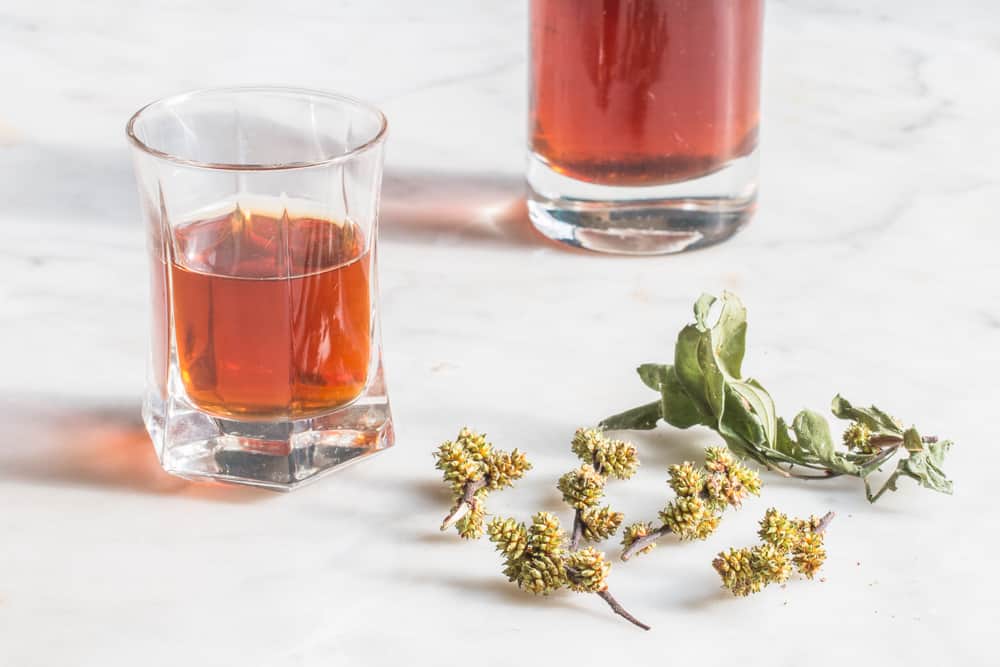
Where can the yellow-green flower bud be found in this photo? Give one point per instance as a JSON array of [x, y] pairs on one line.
[[509, 536], [776, 529], [503, 468], [809, 554], [706, 526], [685, 479], [858, 436], [586, 442], [470, 526], [600, 523], [541, 574], [770, 564], [636, 531], [474, 443], [582, 488], [734, 567], [617, 458], [588, 570], [684, 516], [718, 459], [545, 536], [457, 465]]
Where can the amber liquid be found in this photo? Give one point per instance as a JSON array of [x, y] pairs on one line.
[[644, 92], [271, 315]]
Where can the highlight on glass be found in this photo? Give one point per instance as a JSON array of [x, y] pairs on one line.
[[261, 209]]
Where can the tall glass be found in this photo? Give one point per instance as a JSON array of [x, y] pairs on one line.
[[643, 121], [261, 206]]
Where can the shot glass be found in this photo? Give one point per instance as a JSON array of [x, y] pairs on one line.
[[261, 211], [643, 121]]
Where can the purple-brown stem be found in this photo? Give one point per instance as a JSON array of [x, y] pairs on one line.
[[577, 535], [616, 607], [620, 610], [463, 504], [645, 541], [824, 522]]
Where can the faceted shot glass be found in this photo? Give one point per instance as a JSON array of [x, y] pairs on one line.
[[261, 209]]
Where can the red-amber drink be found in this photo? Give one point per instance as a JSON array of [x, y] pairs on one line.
[[261, 210], [641, 94], [272, 315]]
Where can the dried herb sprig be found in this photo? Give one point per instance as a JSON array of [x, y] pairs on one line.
[[537, 559], [472, 468], [583, 488], [705, 386], [785, 543], [540, 558], [703, 493]]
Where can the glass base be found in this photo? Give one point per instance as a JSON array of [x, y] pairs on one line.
[[648, 220], [279, 455]]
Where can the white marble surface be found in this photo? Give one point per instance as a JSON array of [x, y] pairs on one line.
[[872, 269]]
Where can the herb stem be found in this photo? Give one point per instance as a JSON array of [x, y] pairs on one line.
[[574, 540], [789, 474], [824, 522], [645, 541], [620, 610], [464, 504], [577, 534]]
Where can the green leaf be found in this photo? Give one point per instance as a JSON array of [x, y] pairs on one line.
[[653, 375], [729, 335], [715, 382], [762, 405], [739, 419], [696, 370], [642, 418], [912, 441], [813, 434], [937, 450], [875, 419], [784, 443], [920, 467], [676, 406], [702, 308]]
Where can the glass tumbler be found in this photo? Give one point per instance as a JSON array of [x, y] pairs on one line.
[[643, 121], [261, 210]]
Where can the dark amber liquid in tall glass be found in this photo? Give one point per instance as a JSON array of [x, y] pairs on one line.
[[644, 92], [271, 314]]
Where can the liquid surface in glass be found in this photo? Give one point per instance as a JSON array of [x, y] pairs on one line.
[[271, 314]]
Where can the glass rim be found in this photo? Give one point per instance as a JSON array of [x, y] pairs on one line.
[[383, 127]]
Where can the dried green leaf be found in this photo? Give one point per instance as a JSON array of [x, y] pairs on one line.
[[676, 407], [875, 419], [813, 434], [652, 375], [729, 335], [642, 418], [697, 371], [740, 420]]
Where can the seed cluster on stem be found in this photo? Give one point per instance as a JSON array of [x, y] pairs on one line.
[[702, 494], [472, 468], [785, 543]]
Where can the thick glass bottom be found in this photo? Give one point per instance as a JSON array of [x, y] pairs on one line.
[[648, 220], [279, 455]]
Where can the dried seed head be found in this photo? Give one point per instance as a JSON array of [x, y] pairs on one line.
[[685, 479], [582, 488], [776, 529], [588, 570], [600, 523], [636, 531]]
